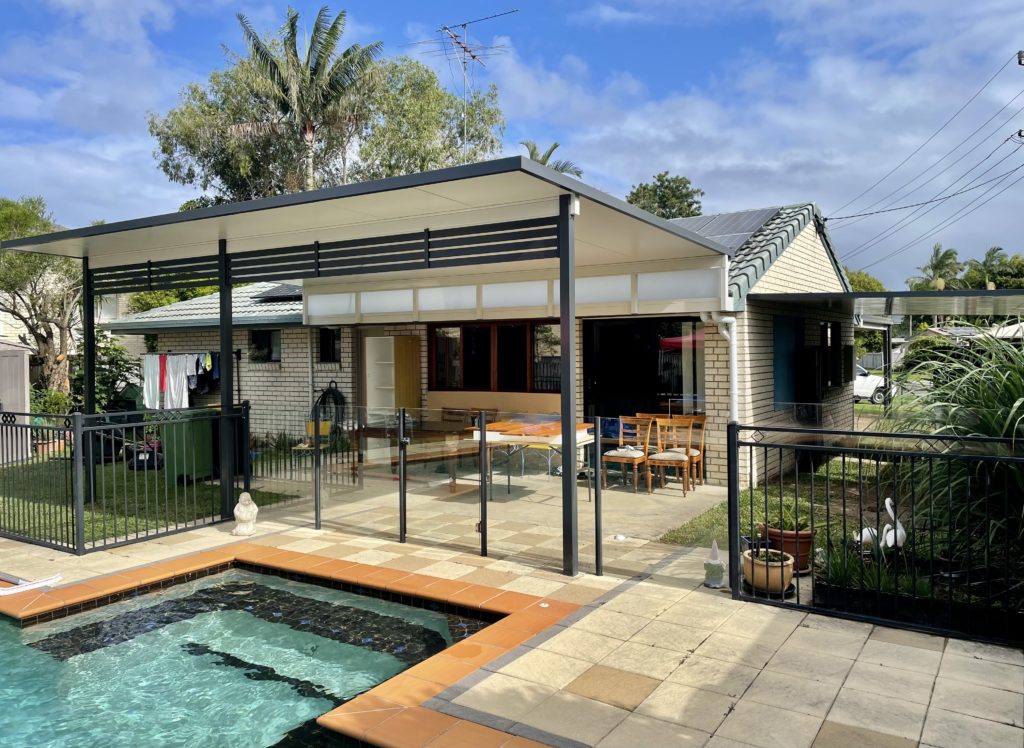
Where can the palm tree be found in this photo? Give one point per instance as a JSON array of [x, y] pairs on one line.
[[561, 165], [312, 91], [989, 266], [939, 272]]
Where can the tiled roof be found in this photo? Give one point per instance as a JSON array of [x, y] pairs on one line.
[[759, 237], [250, 307]]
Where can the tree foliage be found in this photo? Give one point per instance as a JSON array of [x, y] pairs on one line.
[[42, 292], [667, 196], [863, 282], [561, 165], [942, 270], [115, 369], [416, 125]]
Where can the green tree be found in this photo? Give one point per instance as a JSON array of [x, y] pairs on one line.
[[980, 273], [115, 369], [941, 271], [197, 144], [416, 125], [308, 92], [863, 282], [42, 292], [667, 197], [561, 165]]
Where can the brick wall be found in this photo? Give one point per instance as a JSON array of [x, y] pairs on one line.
[[803, 267]]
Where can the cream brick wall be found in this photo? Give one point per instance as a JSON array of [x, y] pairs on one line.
[[803, 267]]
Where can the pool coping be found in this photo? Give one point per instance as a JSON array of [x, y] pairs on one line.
[[392, 714]]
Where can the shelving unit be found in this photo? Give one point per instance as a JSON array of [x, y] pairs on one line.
[[392, 377]]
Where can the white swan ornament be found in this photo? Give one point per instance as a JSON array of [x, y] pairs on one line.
[[892, 537]]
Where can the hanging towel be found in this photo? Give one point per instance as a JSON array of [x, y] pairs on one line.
[[177, 381], [209, 362], [215, 366], [151, 381], [163, 372]]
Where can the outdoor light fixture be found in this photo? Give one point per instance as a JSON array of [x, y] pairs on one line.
[[1020, 57]]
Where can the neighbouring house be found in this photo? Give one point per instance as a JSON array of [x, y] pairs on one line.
[[488, 338]]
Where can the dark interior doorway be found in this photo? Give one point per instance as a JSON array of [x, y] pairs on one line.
[[643, 365]]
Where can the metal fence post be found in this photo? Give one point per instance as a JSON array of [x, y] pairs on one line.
[[403, 443], [482, 423], [316, 469], [246, 451], [78, 482], [732, 451], [598, 531]]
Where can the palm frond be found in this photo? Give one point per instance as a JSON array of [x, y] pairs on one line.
[[565, 166], [548, 153], [262, 57], [316, 37], [326, 46], [532, 151]]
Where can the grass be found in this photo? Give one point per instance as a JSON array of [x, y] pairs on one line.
[[713, 524], [36, 500]]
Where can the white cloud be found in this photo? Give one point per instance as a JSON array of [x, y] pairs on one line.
[[603, 14], [861, 86]]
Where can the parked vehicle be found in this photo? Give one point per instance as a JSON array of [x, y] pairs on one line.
[[868, 386]]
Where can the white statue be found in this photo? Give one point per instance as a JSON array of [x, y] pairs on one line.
[[245, 515]]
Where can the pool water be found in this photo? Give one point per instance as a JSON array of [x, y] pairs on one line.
[[235, 659]]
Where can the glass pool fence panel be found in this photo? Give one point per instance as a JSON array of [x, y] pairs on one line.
[[281, 452], [36, 479], [920, 531], [443, 479]]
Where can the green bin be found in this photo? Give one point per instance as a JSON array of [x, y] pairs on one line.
[[186, 440]]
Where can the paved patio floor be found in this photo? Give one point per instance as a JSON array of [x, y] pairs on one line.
[[652, 658]]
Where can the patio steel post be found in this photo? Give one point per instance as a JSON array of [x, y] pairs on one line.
[[88, 340], [403, 443], [317, 469], [78, 482], [887, 366], [732, 454], [484, 469], [227, 370], [598, 530], [567, 318]]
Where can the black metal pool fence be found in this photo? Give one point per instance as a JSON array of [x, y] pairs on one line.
[[916, 531], [83, 483]]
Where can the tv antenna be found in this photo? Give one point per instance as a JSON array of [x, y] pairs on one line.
[[467, 56]]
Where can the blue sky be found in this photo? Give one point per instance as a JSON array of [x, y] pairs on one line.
[[759, 103]]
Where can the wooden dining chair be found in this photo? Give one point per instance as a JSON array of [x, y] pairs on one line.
[[634, 442], [696, 452], [672, 450]]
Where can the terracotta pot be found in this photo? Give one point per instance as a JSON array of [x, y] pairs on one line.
[[797, 543], [767, 577]]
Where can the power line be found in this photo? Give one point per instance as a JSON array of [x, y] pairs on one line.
[[946, 155], [909, 220], [955, 218], [931, 137], [926, 202]]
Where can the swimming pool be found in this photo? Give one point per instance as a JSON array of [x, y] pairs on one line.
[[234, 659]]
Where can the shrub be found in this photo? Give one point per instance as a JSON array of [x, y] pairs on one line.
[[50, 402]]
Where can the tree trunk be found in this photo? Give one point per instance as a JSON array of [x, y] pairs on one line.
[[310, 147]]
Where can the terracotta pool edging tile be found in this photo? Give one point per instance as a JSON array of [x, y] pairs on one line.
[[366, 716]]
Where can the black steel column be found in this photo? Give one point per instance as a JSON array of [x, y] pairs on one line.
[[598, 524], [887, 366], [227, 370], [88, 340], [567, 317], [732, 455]]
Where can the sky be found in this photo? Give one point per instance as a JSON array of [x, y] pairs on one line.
[[757, 103]]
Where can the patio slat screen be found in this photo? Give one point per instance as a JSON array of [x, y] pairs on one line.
[[510, 241]]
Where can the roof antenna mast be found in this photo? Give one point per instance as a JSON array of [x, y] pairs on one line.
[[466, 54]]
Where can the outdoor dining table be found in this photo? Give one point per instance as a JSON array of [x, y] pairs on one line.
[[513, 436]]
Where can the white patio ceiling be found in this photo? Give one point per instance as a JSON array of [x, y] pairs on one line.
[[608, 230]]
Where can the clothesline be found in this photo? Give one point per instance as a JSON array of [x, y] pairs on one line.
[[176, 375]]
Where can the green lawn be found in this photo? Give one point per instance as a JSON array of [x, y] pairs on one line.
[[713, 524], [36, 500]]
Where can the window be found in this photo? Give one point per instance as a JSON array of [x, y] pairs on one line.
[[330, 345], [496, 357], [264, 345], [787, 341]]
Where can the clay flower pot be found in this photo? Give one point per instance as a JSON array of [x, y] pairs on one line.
[[797, 543], [768, 574]]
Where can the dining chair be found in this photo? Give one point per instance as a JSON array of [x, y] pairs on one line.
[[672, 450], [634, 442]]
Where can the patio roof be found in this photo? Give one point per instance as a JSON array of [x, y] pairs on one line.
[[965, 303], [608, 230]]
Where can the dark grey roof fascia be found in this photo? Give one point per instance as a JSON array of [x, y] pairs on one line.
[[420, 179], [168, 325]]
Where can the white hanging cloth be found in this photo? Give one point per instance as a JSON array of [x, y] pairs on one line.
[[176, 395], [151, 380]]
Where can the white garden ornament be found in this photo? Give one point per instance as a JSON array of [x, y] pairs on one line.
[[245, 515], [892, 536]]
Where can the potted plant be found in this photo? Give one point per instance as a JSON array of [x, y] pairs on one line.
[[768, 571], [794, 535]]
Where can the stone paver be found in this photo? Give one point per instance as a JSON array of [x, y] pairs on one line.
[[882, 712]]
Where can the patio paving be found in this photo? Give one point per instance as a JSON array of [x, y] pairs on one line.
[[652, 658]]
